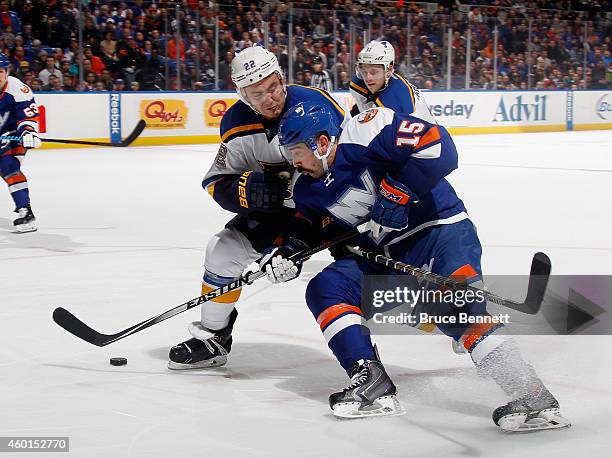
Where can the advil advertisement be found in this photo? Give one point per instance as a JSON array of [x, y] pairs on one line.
[[214, 109], [164, 113]]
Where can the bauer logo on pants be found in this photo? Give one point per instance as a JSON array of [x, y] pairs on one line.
[[164, 114], [214, 109]]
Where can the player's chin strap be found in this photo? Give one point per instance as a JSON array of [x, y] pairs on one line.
[[323, 158]]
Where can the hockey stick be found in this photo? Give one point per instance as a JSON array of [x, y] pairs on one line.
[[538, 280], [75, 326], [127, 141]]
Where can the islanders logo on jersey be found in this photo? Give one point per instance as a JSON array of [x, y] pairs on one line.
[[367, 115]]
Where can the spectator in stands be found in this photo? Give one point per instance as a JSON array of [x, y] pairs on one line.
[[96, 63], [50, 69], [108, 46], [55, 84], [9, 18], [344, 81], [36, 85], [118, 85]]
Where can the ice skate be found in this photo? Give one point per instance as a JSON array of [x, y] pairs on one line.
[[371, 393], [458, 347], [26, 222], [207, 349], [534, 412]]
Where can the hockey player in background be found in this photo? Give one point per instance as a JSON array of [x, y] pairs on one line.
[[18, 118], [377, 85], [249, 177], [389, 169]]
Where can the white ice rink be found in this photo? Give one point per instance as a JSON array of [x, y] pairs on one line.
[[122, 236]]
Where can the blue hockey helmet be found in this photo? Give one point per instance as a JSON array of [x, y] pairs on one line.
[[4, 61], [304, 123]]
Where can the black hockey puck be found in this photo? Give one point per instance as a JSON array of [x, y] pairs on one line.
[[118, 361]]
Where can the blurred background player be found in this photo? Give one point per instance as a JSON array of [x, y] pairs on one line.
[[320, 77], [18, 118], [396, 164], [249, 177], [377, 85]]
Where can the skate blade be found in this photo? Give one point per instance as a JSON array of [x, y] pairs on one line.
[[23, 228], [382, 406], [546, 419], [215, 362]]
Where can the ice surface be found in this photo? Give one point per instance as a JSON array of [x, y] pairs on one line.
[[122, 236]]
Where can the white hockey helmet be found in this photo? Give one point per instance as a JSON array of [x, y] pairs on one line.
[[377, 53], [250, 66]]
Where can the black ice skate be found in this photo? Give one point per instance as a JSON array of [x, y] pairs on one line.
[[202, 352], [534, 412], [26, 222], [371, 393]]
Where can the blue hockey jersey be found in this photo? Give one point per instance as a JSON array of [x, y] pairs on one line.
[[18, 111], [375, 143], [399, 95]]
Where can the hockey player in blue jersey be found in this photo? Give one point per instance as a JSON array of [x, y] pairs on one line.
[[377, 85], [245, 179], [389, 169], [18, 118]]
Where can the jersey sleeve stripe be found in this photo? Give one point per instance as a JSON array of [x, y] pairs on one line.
[[379, 102], [241, 130], [432, 136], [409, 86], [359, 89]]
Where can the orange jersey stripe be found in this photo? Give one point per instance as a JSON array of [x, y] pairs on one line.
[[334, 311], [433, 135], [17, 178]]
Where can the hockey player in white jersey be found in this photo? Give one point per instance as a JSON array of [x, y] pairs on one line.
[[249, 177], [18, 118], [377, 85]]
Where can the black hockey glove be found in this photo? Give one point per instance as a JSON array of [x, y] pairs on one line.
[[276, 263], [261, 191]]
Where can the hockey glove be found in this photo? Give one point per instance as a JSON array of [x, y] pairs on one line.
[[391, 210], [261, 191], [277, 265], [30, 139], [3, 138]]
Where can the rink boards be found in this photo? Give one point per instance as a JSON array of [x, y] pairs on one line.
[[194, 117]]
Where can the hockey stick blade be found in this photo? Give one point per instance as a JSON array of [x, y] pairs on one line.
[[127, 141], [76, 327], [538, 280]]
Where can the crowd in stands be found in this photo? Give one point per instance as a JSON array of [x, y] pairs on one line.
[[134, 45]]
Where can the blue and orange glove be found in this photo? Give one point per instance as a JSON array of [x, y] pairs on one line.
[[391, 210]]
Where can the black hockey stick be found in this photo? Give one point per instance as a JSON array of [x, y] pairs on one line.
[[127, 141], [538, 280], [75, 326]]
